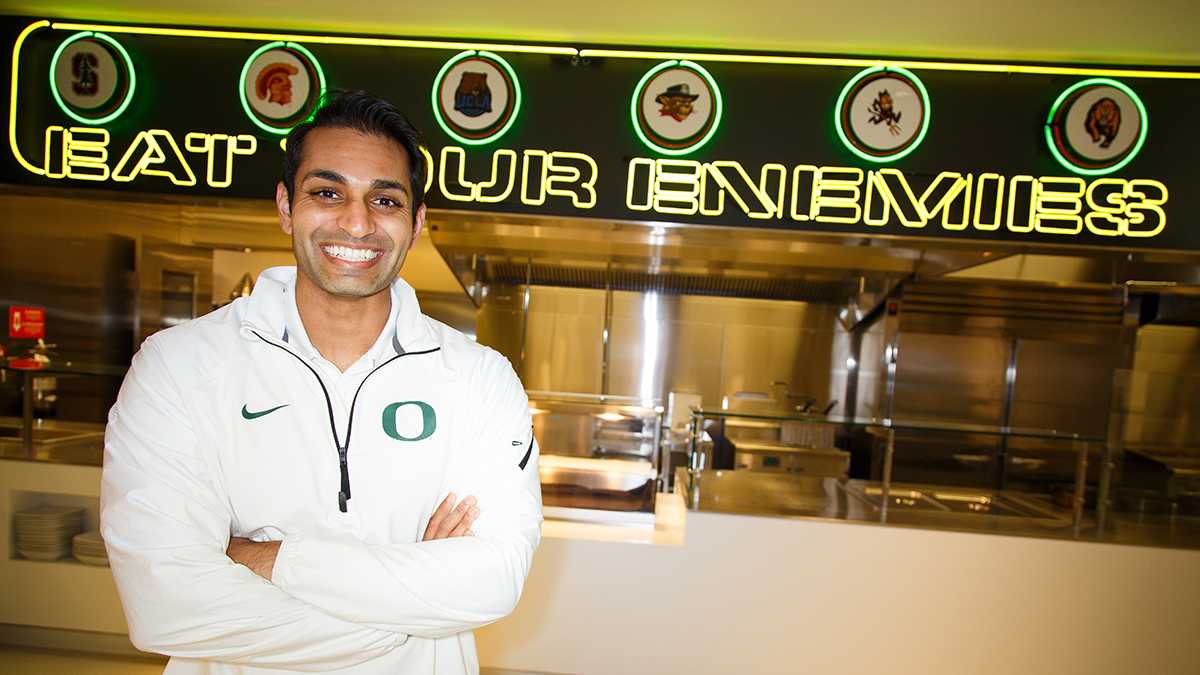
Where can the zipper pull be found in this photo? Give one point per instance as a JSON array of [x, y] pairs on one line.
[[344, 492]]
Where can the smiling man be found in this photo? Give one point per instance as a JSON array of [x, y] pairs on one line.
[[281, 477]]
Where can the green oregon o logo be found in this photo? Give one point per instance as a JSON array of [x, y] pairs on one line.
[[428, 420]]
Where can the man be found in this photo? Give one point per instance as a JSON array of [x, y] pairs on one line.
[[280, 476]]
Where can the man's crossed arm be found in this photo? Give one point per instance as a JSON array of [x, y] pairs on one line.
[[449, 520]]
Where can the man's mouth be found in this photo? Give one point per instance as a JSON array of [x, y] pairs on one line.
[[351, 254]]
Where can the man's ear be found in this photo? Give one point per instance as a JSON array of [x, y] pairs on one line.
[[284, 206], [418, 225]]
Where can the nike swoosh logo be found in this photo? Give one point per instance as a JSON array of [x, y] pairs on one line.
[[255, 415]]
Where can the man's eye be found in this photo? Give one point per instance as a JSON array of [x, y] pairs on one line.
[[324, 193], [388, 202]]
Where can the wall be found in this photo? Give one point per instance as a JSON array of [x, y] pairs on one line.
[[1163, 411]]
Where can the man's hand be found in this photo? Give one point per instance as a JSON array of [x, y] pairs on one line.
[[451, 521], [258, 556]]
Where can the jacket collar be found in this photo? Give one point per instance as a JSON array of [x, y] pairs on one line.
[[274, 298]]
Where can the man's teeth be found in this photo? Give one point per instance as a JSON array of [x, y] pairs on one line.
[[351, 254]]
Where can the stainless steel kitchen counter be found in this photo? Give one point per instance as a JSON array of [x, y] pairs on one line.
[[931, 507], [58, 442]]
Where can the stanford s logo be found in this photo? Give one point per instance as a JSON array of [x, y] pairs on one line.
[[428, 420]]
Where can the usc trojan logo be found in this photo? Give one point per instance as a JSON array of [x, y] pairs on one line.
[[281, 85]]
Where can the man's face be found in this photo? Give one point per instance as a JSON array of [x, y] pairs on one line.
[[351, 217]]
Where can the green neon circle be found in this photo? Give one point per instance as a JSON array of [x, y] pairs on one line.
[[436, 102], [128, 68], [837, 113], [1083, 171], [246, 69], [635, 101]]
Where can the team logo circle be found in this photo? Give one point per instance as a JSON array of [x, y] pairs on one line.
[[676, 107], [92, 78], [1096, 126], [476, 97], [281, 85], [882, 113]]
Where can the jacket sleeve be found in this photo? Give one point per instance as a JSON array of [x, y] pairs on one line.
[[167, 529], [439, 588]]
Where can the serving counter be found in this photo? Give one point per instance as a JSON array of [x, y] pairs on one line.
[[708, 591]]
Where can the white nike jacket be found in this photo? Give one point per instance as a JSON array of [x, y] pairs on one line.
[[224, 427]]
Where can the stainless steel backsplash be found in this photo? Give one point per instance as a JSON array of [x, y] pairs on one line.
[[748, 354]]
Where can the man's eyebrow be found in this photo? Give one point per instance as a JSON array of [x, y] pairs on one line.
[[325, 174], [385, 184]]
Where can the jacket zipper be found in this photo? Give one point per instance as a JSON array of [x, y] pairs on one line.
[[343, 449]]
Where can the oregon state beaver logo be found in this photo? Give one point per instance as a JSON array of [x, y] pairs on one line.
[[476, 97], [1096, 126], [281, 86]]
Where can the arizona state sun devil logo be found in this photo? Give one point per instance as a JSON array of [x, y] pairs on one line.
[[1103, 121], [473, 97], [883, 110]]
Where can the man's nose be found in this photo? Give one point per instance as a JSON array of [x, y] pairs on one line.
[[356, 220]]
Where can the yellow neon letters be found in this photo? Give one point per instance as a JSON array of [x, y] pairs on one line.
[[952, 201], [149, 154], [227, 146], [956, 202], [82, 153]]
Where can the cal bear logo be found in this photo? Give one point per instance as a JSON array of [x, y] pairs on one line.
[[1103, 121]]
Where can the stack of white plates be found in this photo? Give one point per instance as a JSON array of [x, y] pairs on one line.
[[89, 548], [45, 532]]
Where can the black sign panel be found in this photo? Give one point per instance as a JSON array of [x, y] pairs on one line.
[[974, 152]]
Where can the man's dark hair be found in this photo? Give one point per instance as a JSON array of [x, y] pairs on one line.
[[366, 114]]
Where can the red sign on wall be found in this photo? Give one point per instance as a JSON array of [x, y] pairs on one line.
[[27, 322]]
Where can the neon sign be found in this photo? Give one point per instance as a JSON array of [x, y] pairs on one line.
[[569, 175], [466, 107], [1096, 126], [81, 153], [952, 201], [120, 77]]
